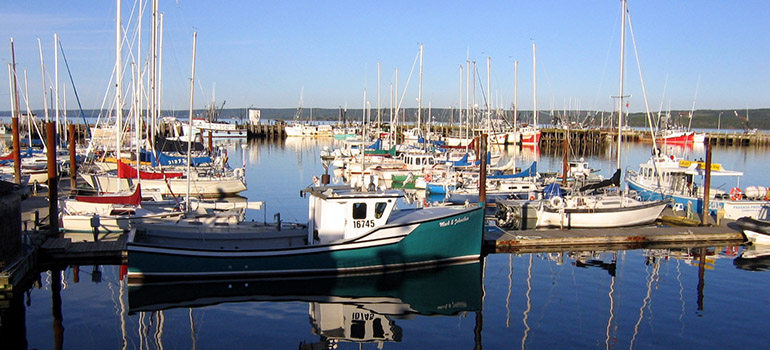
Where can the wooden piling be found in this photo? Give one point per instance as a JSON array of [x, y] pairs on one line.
[[16, 150], [706, 186], [73, 162], [483, 169], [53, 180]]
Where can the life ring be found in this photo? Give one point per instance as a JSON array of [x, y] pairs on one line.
[[736, 194], [556, 202], [238, 172], [767, 194], [427, 177], [531, 197]]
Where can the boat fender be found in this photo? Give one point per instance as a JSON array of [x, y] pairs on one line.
[[736, 194], [238, 172], [556, 202], [531, 197]]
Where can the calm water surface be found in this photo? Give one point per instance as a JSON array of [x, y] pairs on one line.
[[673, 297]]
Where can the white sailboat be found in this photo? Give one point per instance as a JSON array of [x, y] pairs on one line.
[[606, 209]]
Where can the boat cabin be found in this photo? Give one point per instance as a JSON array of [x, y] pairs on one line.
[[340, 213], [418, 161]]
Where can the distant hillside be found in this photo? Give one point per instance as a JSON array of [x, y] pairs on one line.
[[702, 119]]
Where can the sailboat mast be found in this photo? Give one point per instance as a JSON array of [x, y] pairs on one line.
[[534, 85], [622, 63], [515, 93], [489, 94], [379, 121], [56, 76], [419, 95], [118, 85], [190, 121], [42, 76]]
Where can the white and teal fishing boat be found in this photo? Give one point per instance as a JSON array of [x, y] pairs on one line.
[[348, 231]]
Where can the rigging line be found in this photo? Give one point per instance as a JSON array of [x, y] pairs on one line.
[[72, 81], [406, 86]]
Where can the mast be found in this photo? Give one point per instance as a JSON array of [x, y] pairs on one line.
[[160, 81], [56, 76], [363, 138], [42, 77], [515, 93], [489, 96], [118, 85], [152, 105], [534, 85], [419, 95], [378, 97], [460, 107], [620, 95], [190, 120]]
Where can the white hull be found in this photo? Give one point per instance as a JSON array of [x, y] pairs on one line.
[[208, 187], [757, 237], [631, 215]]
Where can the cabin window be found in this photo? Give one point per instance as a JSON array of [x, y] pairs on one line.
[[379, 209], [359, 210]]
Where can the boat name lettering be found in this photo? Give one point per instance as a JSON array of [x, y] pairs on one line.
[[366, 316], [363, 223], [454, 221]]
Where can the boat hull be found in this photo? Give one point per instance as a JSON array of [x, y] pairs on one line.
[[755, 231], [601, 218], [176, 186], [733, 209], [449, 238]]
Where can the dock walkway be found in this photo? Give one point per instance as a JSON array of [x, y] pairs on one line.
[[502, 241]]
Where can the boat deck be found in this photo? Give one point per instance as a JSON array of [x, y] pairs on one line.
[[226, 239]]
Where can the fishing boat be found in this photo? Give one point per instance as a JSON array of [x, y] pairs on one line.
[[666, 176], [348, 230], [755, 231]]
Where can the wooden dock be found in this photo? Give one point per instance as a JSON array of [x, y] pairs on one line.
[[65, 251], [507, 241]]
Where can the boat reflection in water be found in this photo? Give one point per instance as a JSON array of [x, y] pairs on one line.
[[355, 308], [754, 258]]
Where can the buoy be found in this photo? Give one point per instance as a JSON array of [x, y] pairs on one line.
[[736, 194], [427, 177], [556, 202]]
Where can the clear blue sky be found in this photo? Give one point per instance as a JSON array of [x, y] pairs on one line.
[[264, 53]]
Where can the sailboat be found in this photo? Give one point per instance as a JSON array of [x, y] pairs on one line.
[[585, 208]]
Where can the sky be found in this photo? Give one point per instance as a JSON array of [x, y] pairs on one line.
[[712, 54]]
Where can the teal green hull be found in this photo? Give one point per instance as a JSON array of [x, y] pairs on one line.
[[451, 238]]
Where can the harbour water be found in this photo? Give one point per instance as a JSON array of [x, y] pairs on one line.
[[677, 297]]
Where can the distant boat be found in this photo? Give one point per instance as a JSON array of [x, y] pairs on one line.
[[347, 231]]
